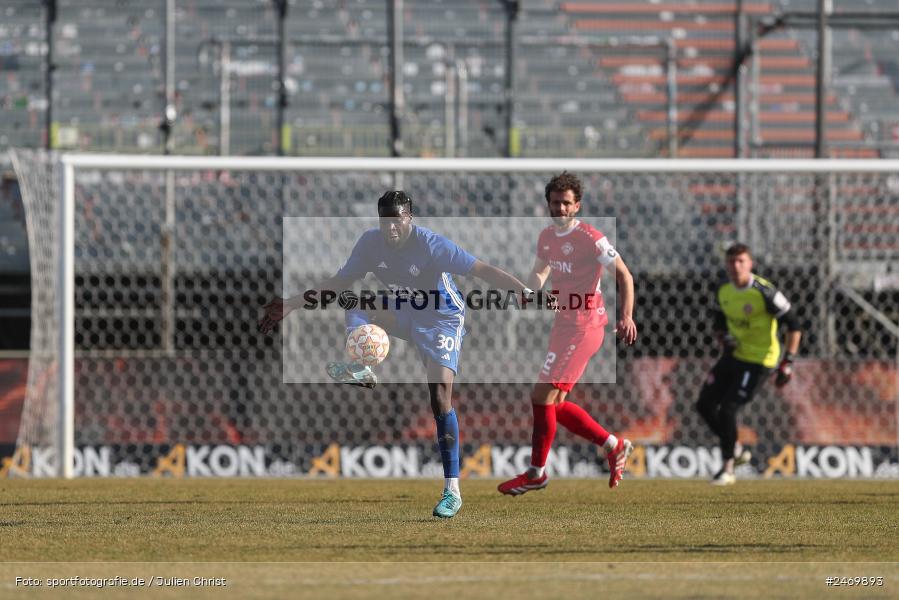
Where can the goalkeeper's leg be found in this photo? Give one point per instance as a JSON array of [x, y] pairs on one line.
[[744, 381], [712, 395]]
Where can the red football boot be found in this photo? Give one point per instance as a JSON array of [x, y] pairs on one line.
[[618, 461], [522, 483]]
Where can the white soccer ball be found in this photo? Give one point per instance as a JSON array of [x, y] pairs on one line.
[[368, 345]]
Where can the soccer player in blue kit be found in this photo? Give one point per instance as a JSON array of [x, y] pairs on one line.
[[409, 259]]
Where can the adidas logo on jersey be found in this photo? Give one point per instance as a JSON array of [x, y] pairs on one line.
[[383, 265], [445, 356]]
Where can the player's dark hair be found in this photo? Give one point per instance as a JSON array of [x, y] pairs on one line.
[[562, 183], [737, 249], [392, 203]]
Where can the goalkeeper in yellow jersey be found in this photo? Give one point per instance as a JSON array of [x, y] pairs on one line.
[[748, 314]]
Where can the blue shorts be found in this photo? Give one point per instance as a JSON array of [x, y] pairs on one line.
[[439, 340]]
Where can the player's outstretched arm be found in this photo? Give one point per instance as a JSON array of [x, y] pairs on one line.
[[278, 308], [500, 280], [496, 277], [626, 329]]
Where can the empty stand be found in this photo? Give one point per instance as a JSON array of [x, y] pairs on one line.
[[595, 85]]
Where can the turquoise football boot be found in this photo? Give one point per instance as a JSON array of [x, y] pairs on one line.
[[352, 374], [448, 506]]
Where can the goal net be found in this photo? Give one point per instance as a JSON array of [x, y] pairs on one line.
[[146, 358]]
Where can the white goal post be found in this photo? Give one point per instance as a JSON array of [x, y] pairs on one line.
[[752, 219]]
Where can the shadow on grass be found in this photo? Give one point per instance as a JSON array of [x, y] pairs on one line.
[[528, 549], [279, 502], [707, 548]]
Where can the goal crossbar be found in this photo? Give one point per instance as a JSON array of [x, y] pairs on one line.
[[479, 165]]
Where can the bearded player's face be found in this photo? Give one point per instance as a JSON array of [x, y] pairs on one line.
[[563, 207]]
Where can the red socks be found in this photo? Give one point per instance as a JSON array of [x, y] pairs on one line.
[[544, 433], [576, 420]]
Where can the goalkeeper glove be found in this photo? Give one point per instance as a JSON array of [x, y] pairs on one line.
[[784, 371]]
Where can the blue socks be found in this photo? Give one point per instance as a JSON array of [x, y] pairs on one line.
[[448, 440]]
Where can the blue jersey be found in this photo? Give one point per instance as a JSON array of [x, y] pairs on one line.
[[425, 263]]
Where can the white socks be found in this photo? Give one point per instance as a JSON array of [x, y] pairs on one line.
[[608, 445], [536, 472], [452, 484]]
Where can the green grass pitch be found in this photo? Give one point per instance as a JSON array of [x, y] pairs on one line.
[[377, 538]]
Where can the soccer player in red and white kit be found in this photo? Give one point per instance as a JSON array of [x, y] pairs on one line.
[[574, 255]]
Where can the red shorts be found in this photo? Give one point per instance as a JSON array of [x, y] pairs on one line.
[[570, 348]]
